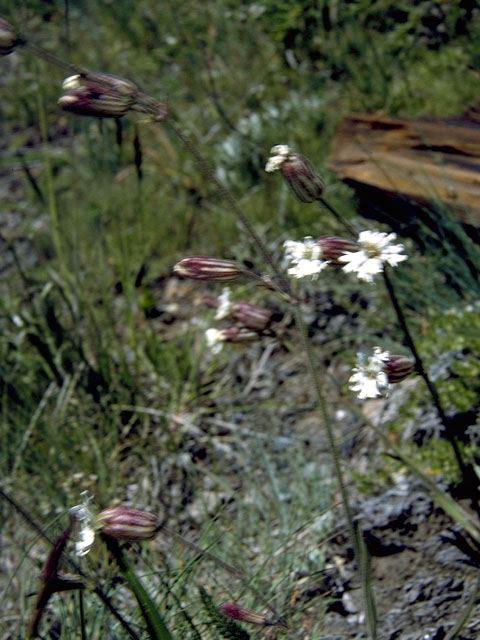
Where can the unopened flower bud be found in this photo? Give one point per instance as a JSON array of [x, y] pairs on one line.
[[397, 368], [232, 610], [8, 38], [211, 301], [211, 269], [127, 523], [238, 334], [98, 94], [251, 316], [299, 172], [333, 247]]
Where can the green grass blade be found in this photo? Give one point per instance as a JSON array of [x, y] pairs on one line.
[[157, 628]]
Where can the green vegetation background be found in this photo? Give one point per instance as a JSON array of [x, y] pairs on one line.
[[95, 392]]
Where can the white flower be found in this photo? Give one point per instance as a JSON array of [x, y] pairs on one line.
[[305, 258], [369, 379], [214, 338], [376, 249], [224, 305], [83, 530], [279, 153]]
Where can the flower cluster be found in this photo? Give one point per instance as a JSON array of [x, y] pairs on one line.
[[305, 258], [373, 375], [366, 257]]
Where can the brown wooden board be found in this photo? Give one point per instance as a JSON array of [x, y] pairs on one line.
[[425, 161]]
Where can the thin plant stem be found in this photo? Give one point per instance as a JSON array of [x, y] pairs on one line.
[[338, 216], [441, 498], [232, 203], [423, 373], [234, 571], [52, 202], [81, 609], [285, 285], [156, 626], [359, 548]]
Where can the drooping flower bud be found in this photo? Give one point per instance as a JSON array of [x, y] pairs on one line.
[[127, 523], [238, 334], [217, 337], [98, 94], [8, 38], [234, 611], [251, 316], [210, 269], [333, 247], [397, 368], [299, 172]]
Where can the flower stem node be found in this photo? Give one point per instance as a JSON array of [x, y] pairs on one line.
[[128, 523], [210, 269], [299, 173], [8, 38]]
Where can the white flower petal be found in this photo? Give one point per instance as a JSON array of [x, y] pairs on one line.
[[214, 338], [376, 250], [368, 379], [224, 306], [305, 258]]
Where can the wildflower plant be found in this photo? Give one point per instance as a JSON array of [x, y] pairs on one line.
[[370, 255]]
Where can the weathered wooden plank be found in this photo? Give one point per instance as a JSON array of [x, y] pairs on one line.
[[424, 160]]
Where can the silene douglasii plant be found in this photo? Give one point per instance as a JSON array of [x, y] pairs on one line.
[[370, 255]]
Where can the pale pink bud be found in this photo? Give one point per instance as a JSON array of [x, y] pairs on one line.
[[211, 269], [397, 368], [127, 523], [333, 247], [251, 316], [8, 38], [98, 94]]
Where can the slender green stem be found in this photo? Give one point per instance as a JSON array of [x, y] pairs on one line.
[[232, 203], [423, 373], [338, 216], [154, 621], [360, 550], [441, 498], [52, 201]]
